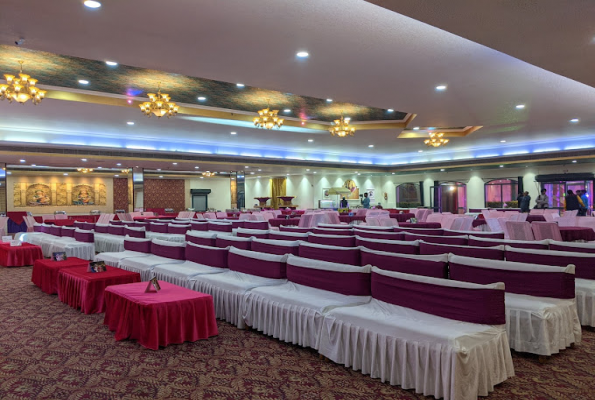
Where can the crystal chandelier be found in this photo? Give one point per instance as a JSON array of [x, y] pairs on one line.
[[268, 118], [159, 105], [208, 174], [341, 127], [84, 170], [436, 140], [21, 89]]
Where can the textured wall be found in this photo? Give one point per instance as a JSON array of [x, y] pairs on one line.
[[121, 194], [165, 193]]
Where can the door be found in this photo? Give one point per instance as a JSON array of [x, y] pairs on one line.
[[199, 202], [449, 197]]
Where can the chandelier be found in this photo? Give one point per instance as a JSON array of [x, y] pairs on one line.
[[84, 170], [268, 118], [125, 171], [208, 174], [21, 89], [159, 105], [341, 127], [436, 140]]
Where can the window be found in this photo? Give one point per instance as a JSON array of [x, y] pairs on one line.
[[408, 195], [501, 193]]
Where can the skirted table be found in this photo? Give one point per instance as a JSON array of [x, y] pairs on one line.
[[19, 256], [574, 233], [81, 289], [45, 272], [350, 218], [283, 221], [262, 201], [172, 315]]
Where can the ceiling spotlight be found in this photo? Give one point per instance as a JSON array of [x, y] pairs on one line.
[[501, 166], [370, 145], [441, 87], [201, 98], [34, 165], [416, 128], [175, 163], [287, 174], [502, 141], [314, 172], [259, 176], [233, 133], [302, 54], [310, 140], [251, 173], [307, 170], [196, 167], [158, 169], [520, 106], [329, 100], [574, 161], [83, 82], [240, 85], [420, 151], [117, 176], [84, 159], [161, 176], [287, 110], [390, 110], [574, 120], [118, 164], [202, 177], [130, 123], [22, 160], [259, 169], [442, 169], [92, 4], [65, 174], [111, 63]]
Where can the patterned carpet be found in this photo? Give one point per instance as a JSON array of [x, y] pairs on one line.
[[51, 351]]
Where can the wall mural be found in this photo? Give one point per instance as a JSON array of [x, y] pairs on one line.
[[59, 194], [349, 184]]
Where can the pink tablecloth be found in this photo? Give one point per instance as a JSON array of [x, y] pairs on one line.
[[45, 272], [19, 256], [573, 233], [282, 221], [172, 315], [81, 289]]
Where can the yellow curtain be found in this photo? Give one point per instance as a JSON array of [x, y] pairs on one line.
[[277, 189]]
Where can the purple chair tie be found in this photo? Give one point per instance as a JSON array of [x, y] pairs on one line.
[[55, 230], [142, 247], [388, 247], [204, 241], [45, 229], [238, 244], [274, 249], [173, 252], [134, 233], [341, 232], [487, 253], [116, 230], [211, 256], [585, 267], [482, 243], [256, 235], [179, 230], [67, 232], [435, 269], [101, 229], [379, 235], [347, 241], [238, 224], [159, 228], [88, 226], [220, 227], [349, 256], [347, 283], [252, 266], [561, 247], [199, 226], [262, 225], [37, 228], [85, 237]]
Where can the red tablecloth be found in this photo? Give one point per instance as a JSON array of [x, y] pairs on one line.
[[81, 289], [573, 233], [19, 256], [402, 217], [533, 218], [45, 272], [350, 218], [282, 221], [16, 216], [420, 225], [172, 315]]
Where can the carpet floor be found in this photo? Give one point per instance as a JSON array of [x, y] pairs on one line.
[[51, 351]]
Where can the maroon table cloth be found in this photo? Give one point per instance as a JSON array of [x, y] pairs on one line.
[[81, 289], [282, 221], [533, 218], [573, 233], [45, 272], [172, 315], [420, 225], [350, 218], [402, 217], [478, 222], [19, 256]]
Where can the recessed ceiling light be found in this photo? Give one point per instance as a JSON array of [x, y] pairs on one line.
[[234, 133], [251, 173], [161, 176], [259, 176], [111, 63], [416, 128], [520, 106], [118, 164], [196, 167], [116, 176], [175, 163], [302, 54], [287, 110], [347, 118], [370, 145], [287, 174], [129, 101], [390, 110], [158, 169], [574, 120], [130, 123], [502, 141], [201, 98], [34, 165], [259, 170], [420, 151], [314, 172], [240, 85], [99, 167], [65, 174], [442, 169], [329, 100], [22, 160], [92, 4], [202, 177], [310, 140], [574, 161], [441, 87], [359, 174], [84, 159], [83, 81], [393, 173], [307, 170], [501, 166]]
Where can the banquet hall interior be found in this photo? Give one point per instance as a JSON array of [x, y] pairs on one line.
[[262, 120]]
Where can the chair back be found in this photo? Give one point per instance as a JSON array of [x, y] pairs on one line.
[[519, 230], [546, 230], [434, 217], [568, 220], [494, 225]]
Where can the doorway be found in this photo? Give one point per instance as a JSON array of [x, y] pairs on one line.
[[200, 199], [557, 191], [449, 197]]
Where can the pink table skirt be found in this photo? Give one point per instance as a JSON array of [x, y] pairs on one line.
[[282, 221], [45, 272], [574, 233], [19, 256], [81, 289], [172, 315]]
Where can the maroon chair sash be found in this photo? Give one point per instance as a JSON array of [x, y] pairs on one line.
[[88, 226], [533, 283], [379, 229], [85, 237], [487, 235], [485, 243], [418, 231], [329, 231], [158, 228], [173, 252], [116, 222], [258, 267], [243, 243], [254, 233], [46, 229], [207, 255], [135, 233], [78, 224], [344, 255], [347, 283], [204, 241], [331, 240], [561, 247], [479, 306], [238, 224], [199, 226], [466, 251], [55, 230], [396, 247], [455, 240], [178, 230], [219, 227], [116, 230], [37, 228], [584, 266], [369, 234], [101, 228], [274, 248], [435, 269], [143, 246], [67, 232], [262, 225], [294, 229], [281, 236]]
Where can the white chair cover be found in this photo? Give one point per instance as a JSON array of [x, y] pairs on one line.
[[519, 230], [546, 230]]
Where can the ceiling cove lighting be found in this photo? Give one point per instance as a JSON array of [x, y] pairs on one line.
[[92, 4], [390, 110], [436, 140], [159, 104], [21, 89], [83, 81], [268, 119], [341, 127], [201, 98]]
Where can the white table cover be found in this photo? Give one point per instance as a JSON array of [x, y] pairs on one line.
[[144, 265], [82, 250], [113, 258], [170, 237], [180, 274], [104, 242], [585, 301]]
